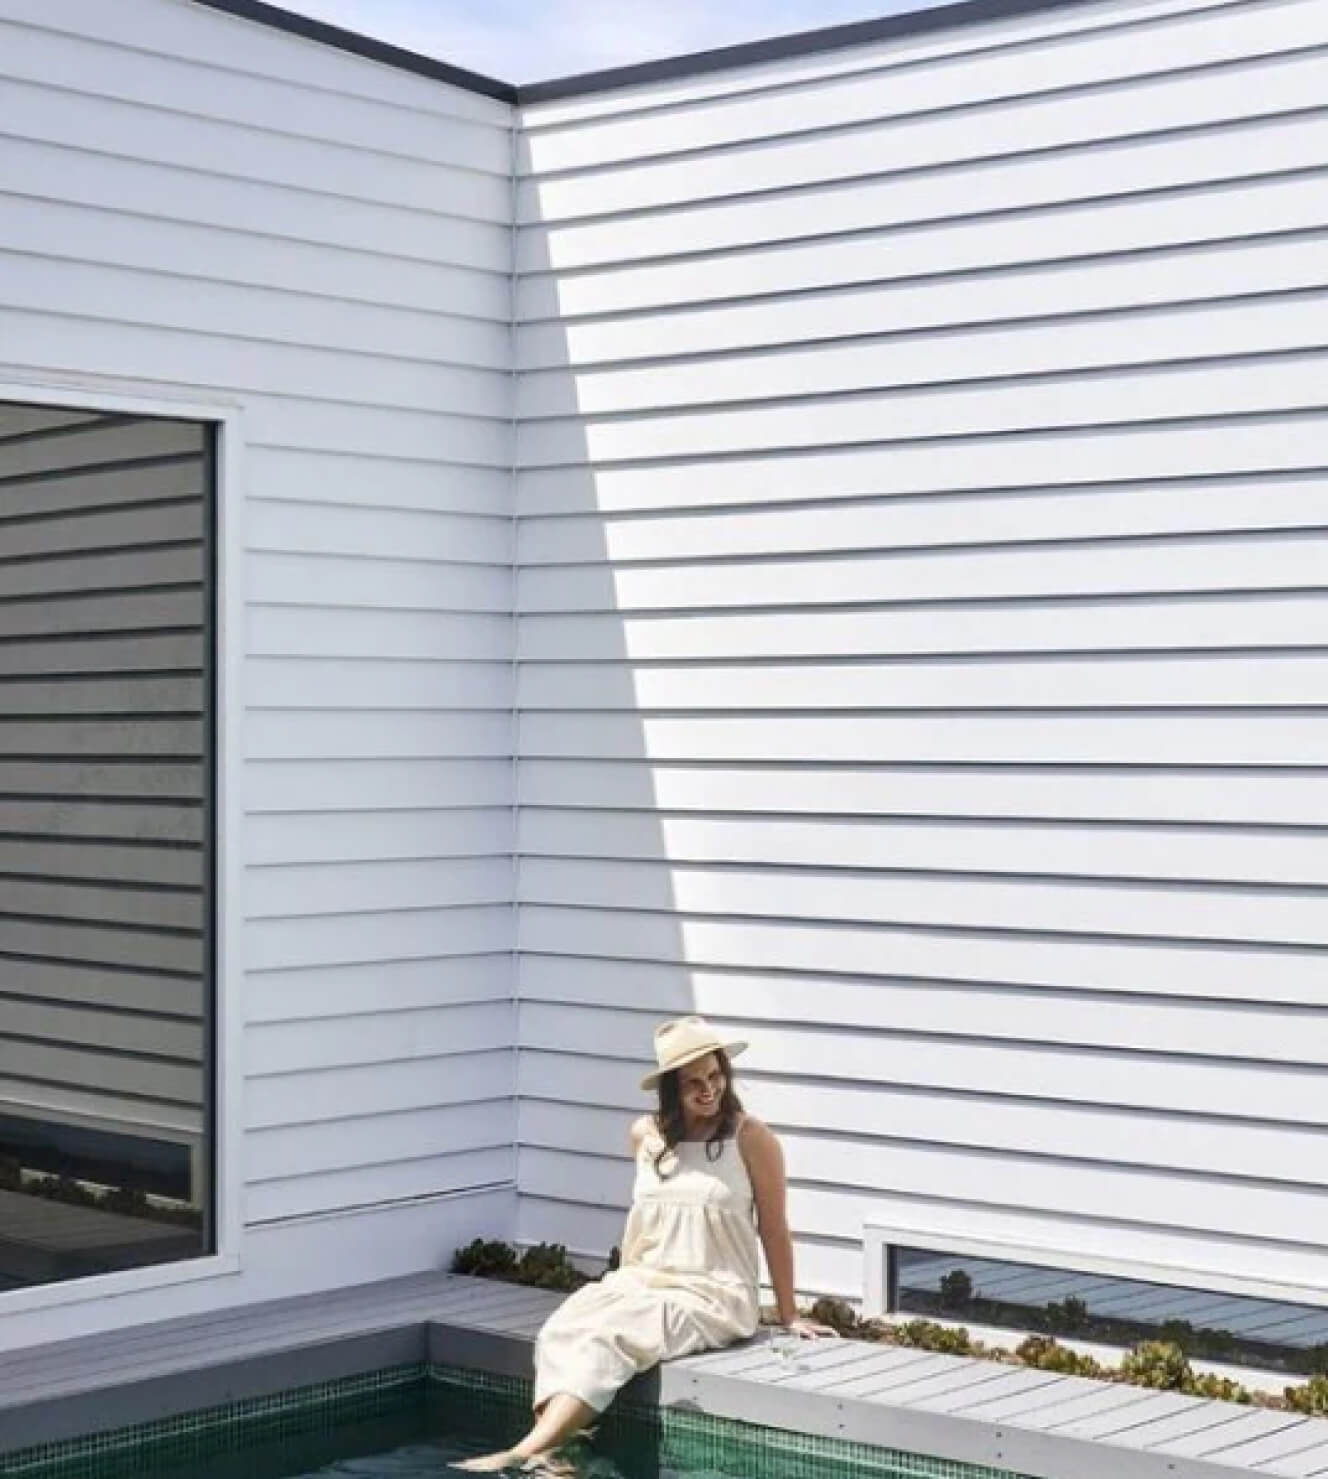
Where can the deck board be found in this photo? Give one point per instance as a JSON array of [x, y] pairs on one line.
[[1031, 1422]]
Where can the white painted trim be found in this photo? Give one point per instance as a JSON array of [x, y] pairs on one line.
[[878, 1237], [139, 398]]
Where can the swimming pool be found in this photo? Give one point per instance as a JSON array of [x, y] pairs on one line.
[[408, 1422]]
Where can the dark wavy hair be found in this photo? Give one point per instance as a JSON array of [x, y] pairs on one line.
[[669, 1116]]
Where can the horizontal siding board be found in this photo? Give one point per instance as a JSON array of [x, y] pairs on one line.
[[365, 1090], [327, 631], [1157, 1081], [884, 82], [277, 1048], [180, 85], [322, 477], [379, 683], [1054, 904], [1206, 154], [978, 252], [925, 303], [98, 442], [247, 150], [1004, 1129], [330, 733], [856, 1172], [945, 409], [305, 890], [161, 28], [47, 323], [1131, 512], [1287, 323], [1147, 795], [879, 999], [337, 529], [948, 464], [327, 992], [355, 939], [1171, 99], [990, 738], [265, 210], [1284, 620], [369, 836], [390, 1181], [1003, 956], [340, 1144], [382, 585], [1090, 681], [67, 613], [258, 285], [1218, 564], [1293, 858], [340, 786]]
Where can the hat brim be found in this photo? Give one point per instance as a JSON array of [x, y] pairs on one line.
[[731, 1049]]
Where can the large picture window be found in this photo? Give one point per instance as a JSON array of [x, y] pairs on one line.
[[106, 897]]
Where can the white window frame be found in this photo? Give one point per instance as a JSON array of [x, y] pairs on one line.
[[95, 393]]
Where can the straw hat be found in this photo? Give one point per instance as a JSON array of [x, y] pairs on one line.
[[683, 1041]]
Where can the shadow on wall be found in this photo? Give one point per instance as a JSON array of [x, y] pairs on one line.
[[601, 949]]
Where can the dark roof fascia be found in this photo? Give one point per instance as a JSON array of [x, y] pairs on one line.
[[798, 44], [693, 64], [365, 46]]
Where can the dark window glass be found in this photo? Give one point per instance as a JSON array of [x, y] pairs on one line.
[[105, 842], [1111, 1311]]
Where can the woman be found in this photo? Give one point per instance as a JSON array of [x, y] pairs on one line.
[[709, 1181]]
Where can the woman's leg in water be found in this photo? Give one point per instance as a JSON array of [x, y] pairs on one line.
[[561, 1418]]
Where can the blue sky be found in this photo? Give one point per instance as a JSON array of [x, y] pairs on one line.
[[532, 40]]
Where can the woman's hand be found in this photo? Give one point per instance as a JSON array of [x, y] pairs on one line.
[[810, 1329]]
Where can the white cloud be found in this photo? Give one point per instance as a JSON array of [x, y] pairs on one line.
[[531, 40]]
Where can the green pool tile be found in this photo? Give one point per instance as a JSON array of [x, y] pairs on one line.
[[226, 1428]]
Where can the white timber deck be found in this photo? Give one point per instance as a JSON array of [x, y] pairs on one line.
[[1030, 1422]]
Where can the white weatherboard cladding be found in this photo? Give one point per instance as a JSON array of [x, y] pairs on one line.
[[921, 465], [194, 203]]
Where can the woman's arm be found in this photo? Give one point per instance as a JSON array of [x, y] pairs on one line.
[[764, 1157], [765, 1165]]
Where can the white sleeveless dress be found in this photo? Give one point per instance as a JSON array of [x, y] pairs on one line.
[[688, 1280]]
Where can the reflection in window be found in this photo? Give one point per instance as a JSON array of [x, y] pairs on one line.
[[1110, 1311], [105, 856]]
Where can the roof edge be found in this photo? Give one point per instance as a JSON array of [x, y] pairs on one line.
[[795, 44], [364, 46], [690, 64]]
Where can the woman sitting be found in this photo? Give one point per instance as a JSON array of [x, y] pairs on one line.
[[709, 1181]]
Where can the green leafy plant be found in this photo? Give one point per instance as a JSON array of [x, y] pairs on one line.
[[1159, 1364], [928, 1335], [1218, 1389], [485, 1260], [1047, 1354], [547, 1266], [839, 1316], [1310, 1398]]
